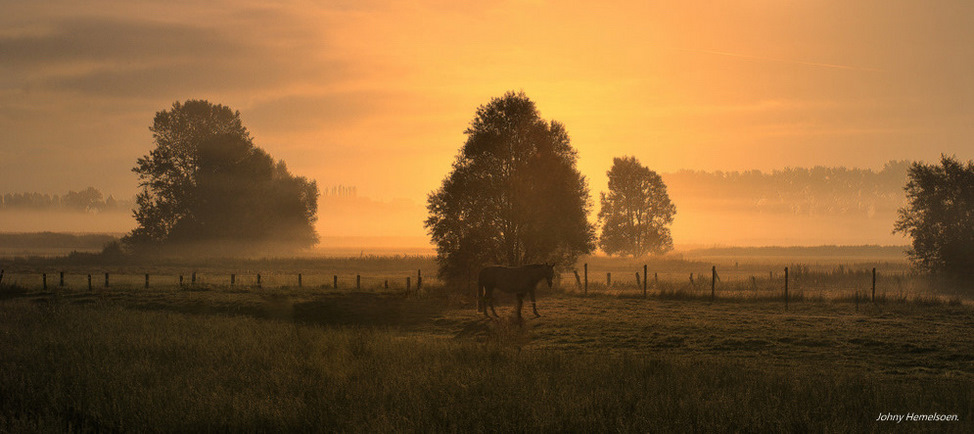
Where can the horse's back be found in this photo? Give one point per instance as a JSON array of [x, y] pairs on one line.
[[505, 278], [490, 275]]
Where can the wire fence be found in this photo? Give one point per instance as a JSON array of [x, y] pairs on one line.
[[790, 283], [100, 280]]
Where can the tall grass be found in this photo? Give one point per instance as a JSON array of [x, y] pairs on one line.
[[99, 367]]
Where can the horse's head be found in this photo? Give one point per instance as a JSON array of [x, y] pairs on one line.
[[549, 273]]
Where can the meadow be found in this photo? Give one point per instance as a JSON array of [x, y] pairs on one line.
[[214, 357]]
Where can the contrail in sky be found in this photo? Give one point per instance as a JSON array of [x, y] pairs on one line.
[[772, 59]]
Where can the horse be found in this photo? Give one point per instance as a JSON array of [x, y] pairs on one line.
[[516, 280]]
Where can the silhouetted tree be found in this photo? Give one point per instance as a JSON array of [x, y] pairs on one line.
[[514, 195], [940, 217], [206, 181], [636, 211], [88, 199]]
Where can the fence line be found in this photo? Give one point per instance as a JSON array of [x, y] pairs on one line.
[[846, 283], [86, 280]]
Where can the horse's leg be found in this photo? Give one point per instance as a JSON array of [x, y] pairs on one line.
[[480, 297], [520, 302], [490, 299], [534, 306], [487, 298]]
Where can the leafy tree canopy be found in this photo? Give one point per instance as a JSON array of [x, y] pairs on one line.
[[206, 182], [636, 211], [939, 217], [514, 195]]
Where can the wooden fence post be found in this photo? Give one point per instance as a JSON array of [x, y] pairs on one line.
[[638, 281], [874, 284], [299, 280], [386, 284], [44, 280], [180, 280], [335, 282], [89, 282], [586, 279], [1, 276], [61, 282], [408, 284], [419, 280], [258, 280], [578, 279], [786, 288], [147, 280], [233, 279], [713, 282], [644, 280], [608, 280], [358, 281], [193, 281], [106, 280]]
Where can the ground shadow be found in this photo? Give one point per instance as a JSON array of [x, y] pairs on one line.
[[347, 309], [367, 310]]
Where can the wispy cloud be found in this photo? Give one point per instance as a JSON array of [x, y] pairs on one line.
[[778, 60]]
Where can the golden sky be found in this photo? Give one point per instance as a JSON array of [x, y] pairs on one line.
[[376, 94]]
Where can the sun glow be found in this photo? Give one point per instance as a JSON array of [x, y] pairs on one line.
[[378, 94]]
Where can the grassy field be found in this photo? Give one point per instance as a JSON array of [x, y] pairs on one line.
[[217, 358]]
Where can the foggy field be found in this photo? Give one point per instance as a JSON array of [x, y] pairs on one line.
[[214, 357], [828, 272]]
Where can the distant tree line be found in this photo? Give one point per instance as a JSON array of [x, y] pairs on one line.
[[340, 191], [87, 200], [52, 240], [800, 191]]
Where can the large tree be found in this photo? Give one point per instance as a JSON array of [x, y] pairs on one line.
[[636, 211], [207, 182], [939, 217], [514, 195]]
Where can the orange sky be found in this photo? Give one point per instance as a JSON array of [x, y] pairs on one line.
[[376, 94]]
